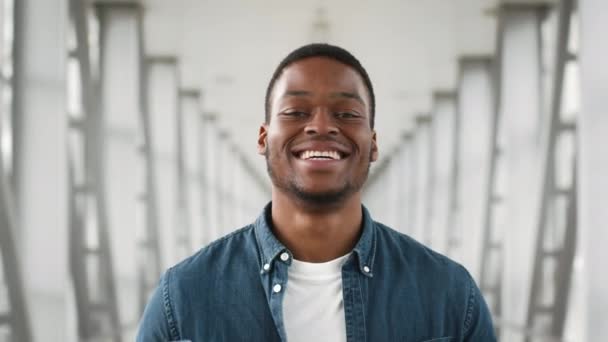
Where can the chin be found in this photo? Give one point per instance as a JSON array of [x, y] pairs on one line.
[[322, 197]]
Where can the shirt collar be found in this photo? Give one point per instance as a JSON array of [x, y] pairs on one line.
[[270, 247]]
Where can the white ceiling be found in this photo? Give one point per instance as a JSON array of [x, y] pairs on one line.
[[229, 49]]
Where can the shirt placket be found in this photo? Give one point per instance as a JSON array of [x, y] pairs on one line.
[[274, 281], [353, 302]]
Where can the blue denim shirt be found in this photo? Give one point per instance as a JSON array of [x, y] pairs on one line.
[[394, 289]]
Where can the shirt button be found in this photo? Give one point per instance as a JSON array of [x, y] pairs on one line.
[[266, 267], [277, 288], [366, 269], [285, 256]]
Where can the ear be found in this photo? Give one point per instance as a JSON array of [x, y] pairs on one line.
[[374, 151], [262, 139]]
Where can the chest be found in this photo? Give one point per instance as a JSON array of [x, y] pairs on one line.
[[356, 308]]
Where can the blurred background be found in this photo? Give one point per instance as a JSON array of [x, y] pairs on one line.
[[128, 141]]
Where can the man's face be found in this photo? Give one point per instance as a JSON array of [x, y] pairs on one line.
[[318, 143]]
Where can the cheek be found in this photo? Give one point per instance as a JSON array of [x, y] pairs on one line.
[[278, 137], [272, 139]]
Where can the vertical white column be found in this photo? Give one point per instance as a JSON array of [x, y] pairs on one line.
[[380, 190], [120, 100], [412, 183], [204, 180], [211, 171], [162, 97], [593, 164], [239, 184], [41, 162], [220, 167], [407, 197], [191, 131], [224, 182], [476, 110], [237, 187], [444, 115], [402, 184], [376, 194], [422, 145], [520, 106], [259, 194], [392, 183]]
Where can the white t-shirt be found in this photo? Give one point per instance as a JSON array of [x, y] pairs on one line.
[[313, 307]]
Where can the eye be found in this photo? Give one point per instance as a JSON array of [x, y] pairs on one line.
[[346, 115], [295, 113]]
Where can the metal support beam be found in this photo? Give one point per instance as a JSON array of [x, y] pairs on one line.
[[260, 182], [393, 188], [205, 225], [520, 94], [120, 94], [593, 165], [479, 114], [476, 113], [444, 126], [405, 184], [407, 188], [223, 179], [556, 227], [163, 108], [412, 181], [211, 151], [191, 182], [39, 137], [149, 257], [87, 205], [15, 316], [423, 142]]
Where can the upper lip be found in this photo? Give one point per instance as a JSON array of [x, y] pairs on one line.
[[321, 146]]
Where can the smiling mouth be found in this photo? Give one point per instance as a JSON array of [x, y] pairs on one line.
[[321, 155]]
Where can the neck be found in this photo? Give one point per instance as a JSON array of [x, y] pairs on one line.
[[316, 234]]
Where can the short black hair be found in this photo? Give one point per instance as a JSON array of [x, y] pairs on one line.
[[322, 50]]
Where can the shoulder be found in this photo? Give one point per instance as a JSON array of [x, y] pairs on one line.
[[402, 246], [230, 250], [182, 292], [418, 262], [434, 275]]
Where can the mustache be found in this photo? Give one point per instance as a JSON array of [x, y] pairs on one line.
[[321, 138]]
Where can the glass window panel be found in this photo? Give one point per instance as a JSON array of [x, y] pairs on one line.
[[74, 88], [76, 150], [571, 97], [573, 40], [564, 159], [6, 133], [93, 39], [92, 229]]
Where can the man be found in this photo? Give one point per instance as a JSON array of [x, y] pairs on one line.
[[315, 266]]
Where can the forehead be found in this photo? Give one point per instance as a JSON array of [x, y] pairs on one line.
[[319, 75]]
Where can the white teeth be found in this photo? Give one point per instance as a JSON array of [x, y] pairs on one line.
[[320, 155]]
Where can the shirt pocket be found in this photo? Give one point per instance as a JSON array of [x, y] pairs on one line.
[[441, 339]]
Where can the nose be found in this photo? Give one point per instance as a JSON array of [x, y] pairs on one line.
[[322, 123]]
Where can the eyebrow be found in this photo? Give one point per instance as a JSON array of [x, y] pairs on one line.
[[297, 93], [348, 96], [344, 94]]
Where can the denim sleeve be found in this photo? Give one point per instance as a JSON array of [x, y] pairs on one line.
[[154, 324], [478, 324]]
